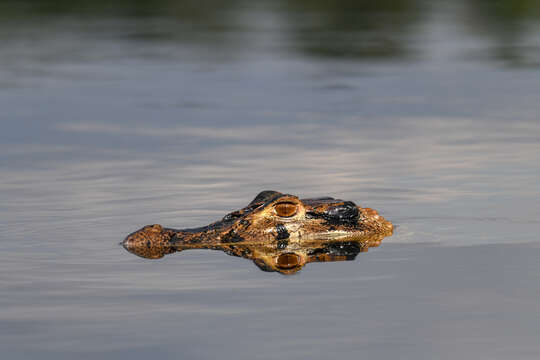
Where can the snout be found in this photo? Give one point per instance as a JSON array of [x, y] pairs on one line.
[[150, 242], [149, 235]]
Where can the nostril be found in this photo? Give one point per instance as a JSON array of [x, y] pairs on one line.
[[153, 228]]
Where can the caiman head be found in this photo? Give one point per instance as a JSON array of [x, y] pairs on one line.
[[273, 219]]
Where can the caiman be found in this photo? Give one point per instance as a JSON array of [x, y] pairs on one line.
[[279, 232]]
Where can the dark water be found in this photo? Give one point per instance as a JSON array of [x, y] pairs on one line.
[[116, 116]]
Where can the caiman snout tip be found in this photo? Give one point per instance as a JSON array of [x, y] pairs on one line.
[[129, 241], [142, 236], [150, 242]]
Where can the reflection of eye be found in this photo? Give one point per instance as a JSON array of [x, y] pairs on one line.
[[288, 261], [285, 209]]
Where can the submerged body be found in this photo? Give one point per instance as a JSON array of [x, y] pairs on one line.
[[274, 229]]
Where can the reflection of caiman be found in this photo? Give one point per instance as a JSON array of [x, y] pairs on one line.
[[279, 232]]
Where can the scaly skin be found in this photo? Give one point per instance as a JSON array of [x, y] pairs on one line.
[[279, 232]]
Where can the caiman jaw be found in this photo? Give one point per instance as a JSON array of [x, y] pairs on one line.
[[157, 235], [368, 222]]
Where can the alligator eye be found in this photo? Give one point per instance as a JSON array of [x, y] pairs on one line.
[[285, 209]]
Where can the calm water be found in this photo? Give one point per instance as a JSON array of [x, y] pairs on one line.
[[117, 116]]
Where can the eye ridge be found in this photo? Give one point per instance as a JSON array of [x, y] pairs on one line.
[[285, 209]]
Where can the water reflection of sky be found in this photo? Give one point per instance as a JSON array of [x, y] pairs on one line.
[[398, 139], [119, 115], [224, 106]]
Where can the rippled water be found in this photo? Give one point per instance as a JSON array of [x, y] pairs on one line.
[[114, 117]]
